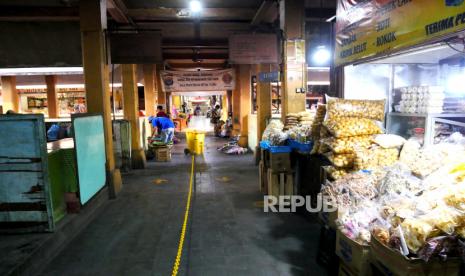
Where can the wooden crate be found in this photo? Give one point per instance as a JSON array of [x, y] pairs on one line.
[[163, 154], [391, 263], [280, 162], [354, 255], [280, 183], [265, 157], [263, 177]]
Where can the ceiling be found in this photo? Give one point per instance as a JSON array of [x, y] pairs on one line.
[[188, 41]]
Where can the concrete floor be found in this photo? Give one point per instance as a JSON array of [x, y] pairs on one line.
[[228, 233]]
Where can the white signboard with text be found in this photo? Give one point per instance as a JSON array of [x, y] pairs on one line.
[[185, 81]]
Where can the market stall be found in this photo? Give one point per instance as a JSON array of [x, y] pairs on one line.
[[395, 141], [70, 100], [40, 182]]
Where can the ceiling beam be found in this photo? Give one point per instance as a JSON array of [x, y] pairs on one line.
[[195, 55], [24, 13], [185, 43], [267, 13], [118, 11], [197, 65], [183, 14]]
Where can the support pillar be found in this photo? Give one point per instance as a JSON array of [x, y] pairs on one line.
[[161, 96], [168, 103], [149, 89], [245, 104], [263, 102], [177, 102], [225, 107], [293, 25], [9, 94], [236, 105], [52, 102], [96, 77], [131, 113]]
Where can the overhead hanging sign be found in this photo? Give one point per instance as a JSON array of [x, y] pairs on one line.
[[185, 81], [268, 76], [253, 49], [368, 28]]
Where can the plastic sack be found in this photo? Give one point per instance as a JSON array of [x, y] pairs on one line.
[[399, 181], [348, 126], [388, 141], [341, 160], [409, 153], [348, 144], [336, 173], [443, 218], [455, 197], [323, 149], [373, 157], [318, 121], [355, 108], [274, 133]]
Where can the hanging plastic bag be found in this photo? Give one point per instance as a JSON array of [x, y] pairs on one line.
[[337, 108], [349, 126]]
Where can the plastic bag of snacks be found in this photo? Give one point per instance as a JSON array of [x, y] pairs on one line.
[[341, 160], [323, 149], [336, 173], [388, 141], [318, 121], [365, 159], [349, 126], [355, 108], [348, 144], [373, 157], [387, 157], [416, 231], [444, 218]]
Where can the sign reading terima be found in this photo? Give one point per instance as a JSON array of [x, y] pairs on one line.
[[368, 28], [185, 81]]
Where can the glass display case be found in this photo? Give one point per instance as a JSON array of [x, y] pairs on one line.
[[426, 128]]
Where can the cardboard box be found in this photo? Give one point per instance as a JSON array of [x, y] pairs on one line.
[[344, 270], [391, 262], [280, 162], [353, 254]]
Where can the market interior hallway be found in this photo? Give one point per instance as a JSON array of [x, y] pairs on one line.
[[228, 232]]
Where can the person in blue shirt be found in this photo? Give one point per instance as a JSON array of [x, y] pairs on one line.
[[165, 127]]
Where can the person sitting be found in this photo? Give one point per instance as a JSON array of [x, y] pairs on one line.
[[164, 127], [161, 112]]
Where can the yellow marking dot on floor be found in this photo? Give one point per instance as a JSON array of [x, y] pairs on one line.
[[159, 181], [223, 179], [259, 204]]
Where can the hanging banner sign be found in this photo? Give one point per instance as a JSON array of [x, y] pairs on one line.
[[253, 49], [185, 81], [368, 28]]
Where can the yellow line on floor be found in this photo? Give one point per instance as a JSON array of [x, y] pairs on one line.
[[177, 262]]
